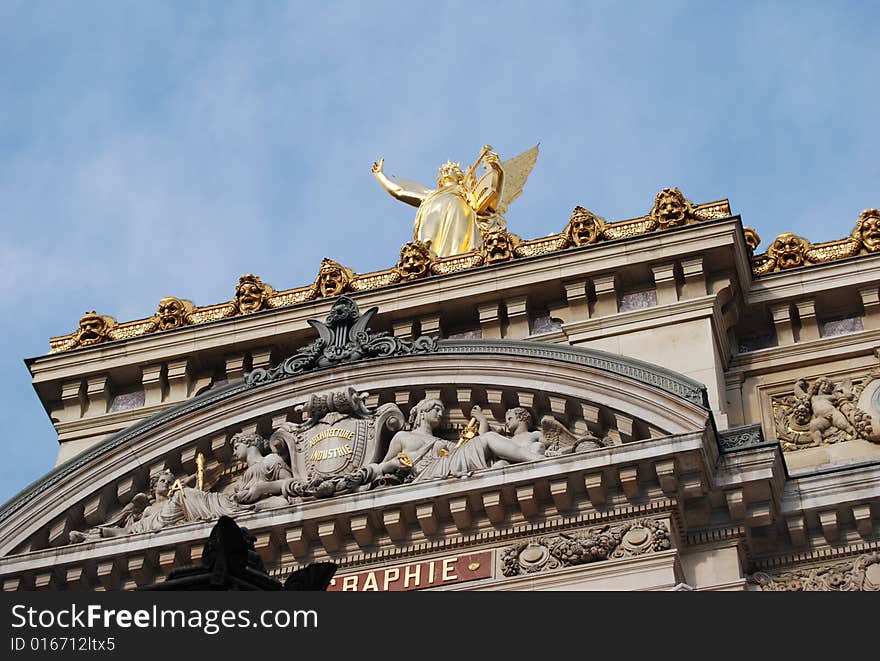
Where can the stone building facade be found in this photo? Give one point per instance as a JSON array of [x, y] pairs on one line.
[[649, 404]]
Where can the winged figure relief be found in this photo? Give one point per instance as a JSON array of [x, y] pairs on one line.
[[558, 440], [453, 217]]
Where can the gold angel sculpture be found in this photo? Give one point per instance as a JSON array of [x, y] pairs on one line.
[[453, 217]]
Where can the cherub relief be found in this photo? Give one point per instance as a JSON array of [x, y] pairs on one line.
[[824, 400]]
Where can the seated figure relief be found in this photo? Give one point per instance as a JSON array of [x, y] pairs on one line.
[[171, 502], [263, 468], [420, 455]]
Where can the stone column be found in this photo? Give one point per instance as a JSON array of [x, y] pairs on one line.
[[234, 366], [664, 282], [403, 328], [72, 400], [490, 320], [151, 380], [430, 325], [178, 380], [782, 321], [517, 318], [606, 295], [98, 395], [576, 295], [809, 326], [261, 358], [871, 304], [694, 277]]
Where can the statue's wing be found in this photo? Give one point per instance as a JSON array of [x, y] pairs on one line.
[[516, 171], [412, 186], [556, 435]]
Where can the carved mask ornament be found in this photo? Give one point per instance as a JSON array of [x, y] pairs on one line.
[[868, 229], [671, 208], [415, 260], [788, 250], [172, 313], [93, 329], [752, 238], [333, 278], [251, 294], [584, 228], [498, 246]]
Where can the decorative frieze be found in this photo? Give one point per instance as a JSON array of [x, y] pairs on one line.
[[861, 574], [551, 552]]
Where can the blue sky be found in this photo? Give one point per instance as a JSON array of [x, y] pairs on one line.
[[156, 148]]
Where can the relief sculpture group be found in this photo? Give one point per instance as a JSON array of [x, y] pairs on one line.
[[342, 446]]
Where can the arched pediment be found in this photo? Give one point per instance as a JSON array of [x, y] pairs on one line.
[[579, 392]]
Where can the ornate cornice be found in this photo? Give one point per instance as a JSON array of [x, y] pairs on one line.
[[346, 337], [671, 209], [654, 375], [790, 251]]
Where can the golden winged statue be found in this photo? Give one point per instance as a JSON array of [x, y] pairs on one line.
[[453, 217]]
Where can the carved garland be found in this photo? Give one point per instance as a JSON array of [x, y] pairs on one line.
[[600, 543], [859, 575]]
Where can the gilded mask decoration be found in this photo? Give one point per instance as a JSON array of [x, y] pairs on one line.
[[584, 227], [172, 313], [868, 230], [415, 260], [251, 294], [671, 208], [752, 238], [788, 250], [498, 246], [93, 328], [333, 278]]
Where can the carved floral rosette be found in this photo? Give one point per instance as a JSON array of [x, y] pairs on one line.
[[859, 575], [600, 543]]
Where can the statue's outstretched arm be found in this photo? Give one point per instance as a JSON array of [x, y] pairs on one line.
[[394, 189]]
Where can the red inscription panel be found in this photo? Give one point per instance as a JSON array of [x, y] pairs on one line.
[[417, 575]]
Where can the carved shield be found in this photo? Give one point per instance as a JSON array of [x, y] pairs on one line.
[[336, 445]]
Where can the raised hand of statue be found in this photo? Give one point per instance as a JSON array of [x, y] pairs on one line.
[[491, 160], [378, 165]]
